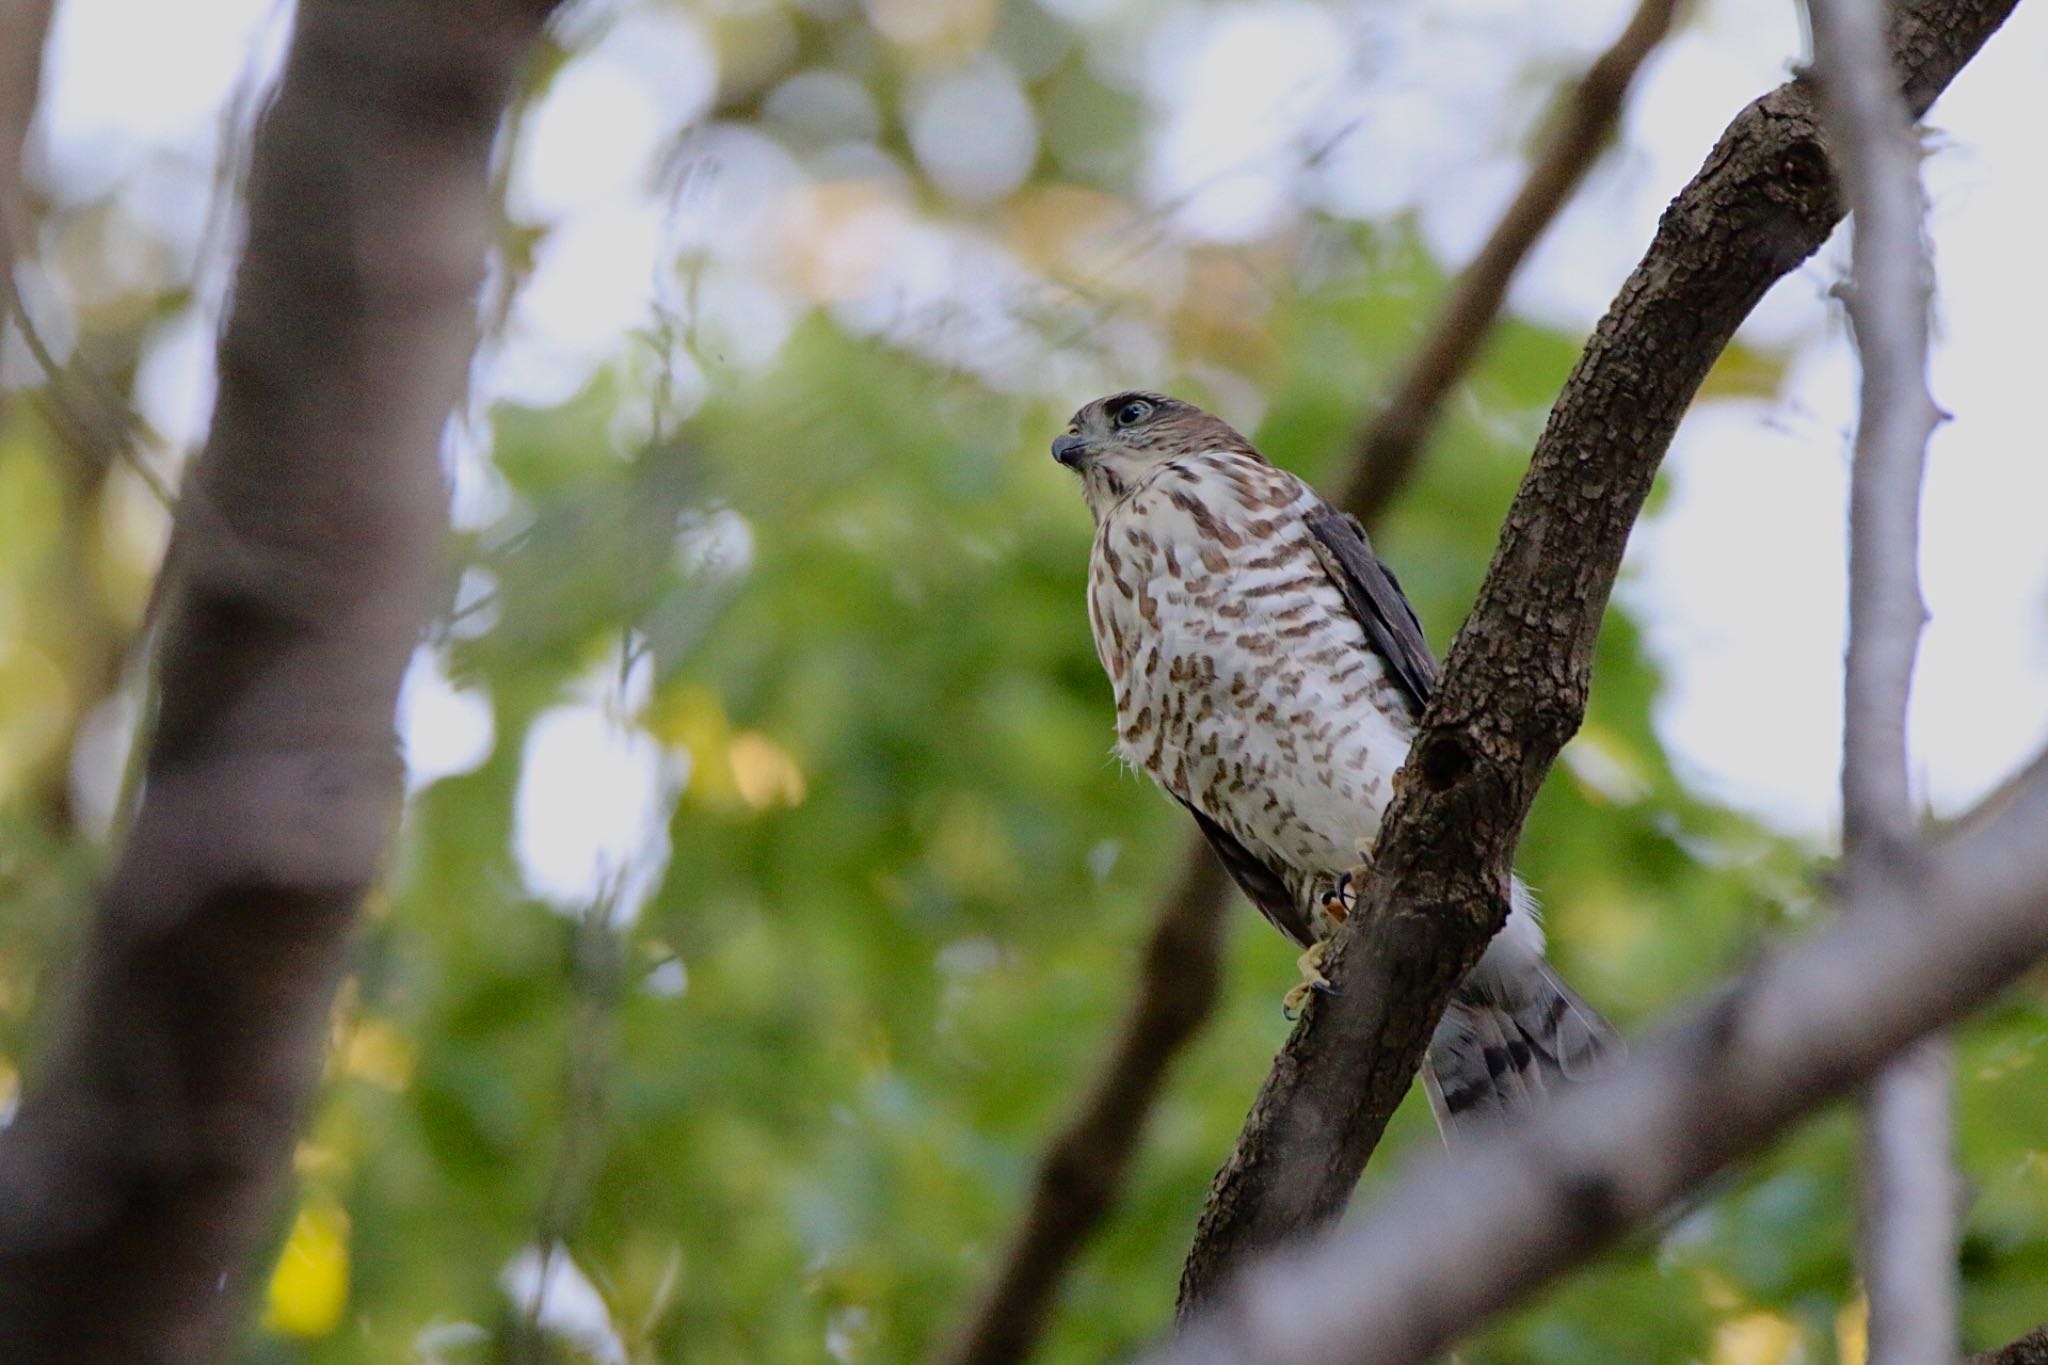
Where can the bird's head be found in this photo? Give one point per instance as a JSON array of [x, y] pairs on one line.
[[1114, 442]]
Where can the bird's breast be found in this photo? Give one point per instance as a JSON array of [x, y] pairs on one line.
[[1242, 682]]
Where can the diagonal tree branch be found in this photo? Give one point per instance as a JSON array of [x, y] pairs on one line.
[[1515, 681], [1083, 1167], [145, 1166], [1391, 448], [1477, 1230], [1909, 1234]]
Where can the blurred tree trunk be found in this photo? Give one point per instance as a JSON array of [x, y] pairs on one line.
[[145, 1166]]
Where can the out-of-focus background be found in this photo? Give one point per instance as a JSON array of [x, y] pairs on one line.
[[766, 889]]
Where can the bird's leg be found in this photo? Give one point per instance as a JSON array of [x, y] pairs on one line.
[[1332, 905], [1312, 980], [1341, 898]]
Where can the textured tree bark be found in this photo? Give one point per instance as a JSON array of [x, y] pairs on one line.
[[1469, 1234], [145, 1166], [1516, 677]]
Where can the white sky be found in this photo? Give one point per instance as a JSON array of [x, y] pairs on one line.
[[1739, 576]]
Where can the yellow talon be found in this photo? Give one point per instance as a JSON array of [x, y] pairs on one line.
[[1313, 982]]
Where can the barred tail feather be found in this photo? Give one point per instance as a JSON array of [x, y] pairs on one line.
[[1508, 1045]]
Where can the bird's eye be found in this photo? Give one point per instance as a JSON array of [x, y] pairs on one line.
[[1133, 412]]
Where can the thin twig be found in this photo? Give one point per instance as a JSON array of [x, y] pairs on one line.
[[1391, 447], [596, 976], [1878, 160], [1909, 1232], [1474, 1232], [87, 410]]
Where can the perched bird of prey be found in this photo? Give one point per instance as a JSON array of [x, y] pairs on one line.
[[1269, 674]]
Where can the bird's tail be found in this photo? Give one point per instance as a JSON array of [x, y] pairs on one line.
[[1512, 1037]]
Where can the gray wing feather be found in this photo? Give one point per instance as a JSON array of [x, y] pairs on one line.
[[1266, 888], [1376, 599]]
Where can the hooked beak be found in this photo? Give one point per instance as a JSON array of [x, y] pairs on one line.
[[1069, 450]]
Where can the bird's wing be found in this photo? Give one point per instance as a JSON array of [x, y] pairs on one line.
[[1266, 888], [1375, 598]]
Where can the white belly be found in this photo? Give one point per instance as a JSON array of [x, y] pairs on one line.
[[1243, 683], [1275, 754]]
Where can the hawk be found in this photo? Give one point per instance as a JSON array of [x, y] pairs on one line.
[[1269, 675]]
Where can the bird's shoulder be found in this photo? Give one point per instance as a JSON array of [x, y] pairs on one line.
[[1219, 493]]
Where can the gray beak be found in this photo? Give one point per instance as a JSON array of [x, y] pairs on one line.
[[1069, 450]]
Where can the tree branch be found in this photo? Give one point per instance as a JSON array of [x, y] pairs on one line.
[[1391, 447], [1476, 1230], [1515, 682], [1082, 1170], [1909, 1229], [145, 1165]]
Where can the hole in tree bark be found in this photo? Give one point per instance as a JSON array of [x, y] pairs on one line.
[[1444, 762]]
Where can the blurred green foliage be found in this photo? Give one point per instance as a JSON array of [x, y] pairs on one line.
[[786, 1111]]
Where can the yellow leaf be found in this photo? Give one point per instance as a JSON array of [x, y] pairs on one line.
[[309, 1287], [1605, 767], [379, 1054], [1852, 1332], [693, 719], [1756, 1339], [764, 771], [1744, 372], [937, 30]]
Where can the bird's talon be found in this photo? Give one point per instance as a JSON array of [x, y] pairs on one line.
[[1342, 897], [1312, 982]]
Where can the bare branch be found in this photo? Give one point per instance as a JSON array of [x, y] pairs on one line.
[[145, 1165], [1391, 447], [1472, 1232], [1515, 683], [1878, 158], [1909, 1232], [1083, 1168], [1912, 1200]]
